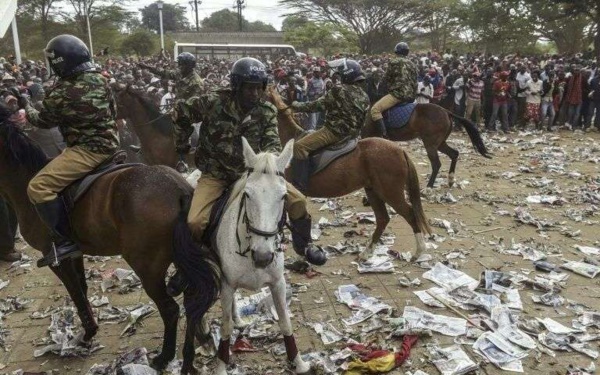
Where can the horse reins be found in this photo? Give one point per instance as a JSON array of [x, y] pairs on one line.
[[243, 214]]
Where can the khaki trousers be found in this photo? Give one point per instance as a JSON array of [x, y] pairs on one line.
[[383, 105], [209, 189], [473, 105], [71, 165], [314, 141]]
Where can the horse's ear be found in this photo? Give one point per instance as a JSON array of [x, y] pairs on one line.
[[249, 155], [286, 156]]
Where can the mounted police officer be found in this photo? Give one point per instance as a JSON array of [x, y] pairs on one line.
[[82, 106], [346, 107], [226, 116], [401, 78], [187, 84]]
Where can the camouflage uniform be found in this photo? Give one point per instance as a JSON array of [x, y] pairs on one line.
[[401, 78], [219, 154], [346, 108], [83, 108]]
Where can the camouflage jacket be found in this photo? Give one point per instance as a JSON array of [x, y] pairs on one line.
[[401, 78], [185, 87], [346, 107], [83, 108], [219, 152]]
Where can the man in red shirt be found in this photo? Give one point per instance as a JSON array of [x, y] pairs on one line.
[[500, 103]]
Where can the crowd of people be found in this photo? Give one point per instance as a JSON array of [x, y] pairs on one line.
[[513, 91]]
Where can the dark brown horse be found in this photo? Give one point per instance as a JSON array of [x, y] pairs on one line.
[[432, 125], [133, 212], [379, 166], [154, 129]]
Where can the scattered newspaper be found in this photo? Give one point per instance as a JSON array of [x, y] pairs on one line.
[[449, 326], [449, 278], [451, 360], [500, 352]]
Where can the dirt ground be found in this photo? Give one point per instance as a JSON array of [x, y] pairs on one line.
[[485, 191]]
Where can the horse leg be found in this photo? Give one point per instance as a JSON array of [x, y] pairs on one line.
[[453, 155], [227, 297], [187, 368], [434, 159], [381, 218], [399, 204], [236, 314], [72, 276], [285, 325], [153, 282]]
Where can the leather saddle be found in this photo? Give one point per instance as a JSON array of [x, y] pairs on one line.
[[398, 116], [321, 158], [209, 237], [77, 189]]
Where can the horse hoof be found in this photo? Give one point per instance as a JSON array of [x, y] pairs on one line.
[[427, 191], [189, 370], [159, 363], [310, 371]]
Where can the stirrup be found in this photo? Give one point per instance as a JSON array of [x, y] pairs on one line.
[[50, 260]]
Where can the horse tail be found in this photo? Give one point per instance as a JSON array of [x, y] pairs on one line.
[[201, 269], [473, 133], [414, 195]]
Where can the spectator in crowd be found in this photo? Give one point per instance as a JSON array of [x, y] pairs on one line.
[[474, 91], [522, 77], [594, 110], [424, 90], [500, 89], [573, 96], [549, 91], [533, 99]]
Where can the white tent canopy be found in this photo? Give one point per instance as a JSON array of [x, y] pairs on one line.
[[8, 8]]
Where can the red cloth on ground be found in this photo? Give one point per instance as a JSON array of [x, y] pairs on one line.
[[407, 343]]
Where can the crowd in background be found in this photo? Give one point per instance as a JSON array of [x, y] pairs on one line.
[[513, 91]]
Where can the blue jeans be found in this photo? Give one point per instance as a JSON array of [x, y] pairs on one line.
[[594, 106], [547, 108], [573, 113], [503, 108]]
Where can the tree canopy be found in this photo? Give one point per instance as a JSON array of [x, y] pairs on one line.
[[225, 20], [174, 18]]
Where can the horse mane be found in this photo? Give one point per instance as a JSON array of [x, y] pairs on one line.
[[265, 163], [20, 149], [163, 125]]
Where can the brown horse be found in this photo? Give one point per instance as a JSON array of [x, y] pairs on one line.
[[138, 212], [432, 125], [154, 129], [379, 166]]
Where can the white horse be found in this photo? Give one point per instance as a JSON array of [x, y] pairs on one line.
[[248, 241]]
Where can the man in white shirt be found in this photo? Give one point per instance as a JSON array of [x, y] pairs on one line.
[[533, 99], [424, 90], [459, 92], [522, 78]]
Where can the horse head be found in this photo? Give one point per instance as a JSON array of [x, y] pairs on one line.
[[263, 197]]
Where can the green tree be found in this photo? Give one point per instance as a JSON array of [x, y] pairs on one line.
[[326, 38], [41, 10], [439, 21], [588, 8], [174, 18], [140, 43], [225, 20], [365, 18]]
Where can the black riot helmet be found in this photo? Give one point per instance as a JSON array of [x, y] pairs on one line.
[[248, 70], [186, 59], [401, 49], [349, 70], [68, 55]]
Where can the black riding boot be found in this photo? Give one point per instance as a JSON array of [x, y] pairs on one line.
[[303, 242], [55, 217], [301, 173], [380, 127]]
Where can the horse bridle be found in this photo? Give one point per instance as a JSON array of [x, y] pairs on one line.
[[251, 229]]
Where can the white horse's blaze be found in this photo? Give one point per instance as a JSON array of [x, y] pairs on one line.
[[264, 189]]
